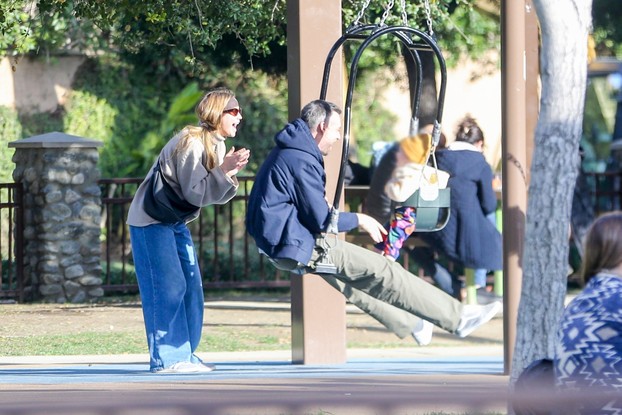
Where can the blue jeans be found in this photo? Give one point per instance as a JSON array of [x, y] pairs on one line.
[[480, 273], [171, 291]]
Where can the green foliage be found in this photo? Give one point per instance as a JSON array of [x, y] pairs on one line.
[[137, 101], [43, 26], [204, 22], [606, 28], [10, 130], [15, 32], [89, 116], [180, 114], [371, 121], [150, 110], [263, 99], [116, 273], [458, 27], [469, 32], [185, 33], [41, 123]]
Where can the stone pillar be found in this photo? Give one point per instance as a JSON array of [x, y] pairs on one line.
[[62, 211]]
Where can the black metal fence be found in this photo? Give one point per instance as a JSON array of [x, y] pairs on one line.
[[11, 241], [606, 190], [227, 255]]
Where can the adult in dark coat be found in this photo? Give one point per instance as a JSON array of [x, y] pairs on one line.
[[469, 238]]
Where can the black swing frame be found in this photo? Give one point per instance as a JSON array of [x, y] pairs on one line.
[[413, 40]]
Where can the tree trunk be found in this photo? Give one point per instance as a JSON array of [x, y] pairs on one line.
[[564, 26]]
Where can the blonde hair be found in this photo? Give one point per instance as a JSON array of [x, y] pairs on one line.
[[209, 112]]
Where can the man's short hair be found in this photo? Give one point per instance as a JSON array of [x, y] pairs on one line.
[[317, 111]]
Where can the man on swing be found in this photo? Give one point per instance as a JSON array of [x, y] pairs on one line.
[[288, 214]]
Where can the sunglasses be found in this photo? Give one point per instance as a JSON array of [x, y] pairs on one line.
[[233, 111]]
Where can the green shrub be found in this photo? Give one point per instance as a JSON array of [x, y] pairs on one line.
[[117, 272], [88, 116], [41, 123], [263, 99], [371, 121], [129, 101], [10, 130]]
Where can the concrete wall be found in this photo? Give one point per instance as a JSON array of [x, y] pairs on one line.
[[37, 85], [471, 89]]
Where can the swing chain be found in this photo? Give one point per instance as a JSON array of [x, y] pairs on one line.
[[386, 12], [361, 12], [404, 15], [428, 17]]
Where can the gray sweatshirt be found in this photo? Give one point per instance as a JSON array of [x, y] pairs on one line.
[[187, 174]]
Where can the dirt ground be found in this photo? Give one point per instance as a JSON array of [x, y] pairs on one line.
[[252, 316]]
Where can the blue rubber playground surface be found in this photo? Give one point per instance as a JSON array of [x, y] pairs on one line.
[[362, 386], [84, 372]]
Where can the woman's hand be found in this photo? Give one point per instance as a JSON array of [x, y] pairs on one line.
[[372, 227], [235, 161]]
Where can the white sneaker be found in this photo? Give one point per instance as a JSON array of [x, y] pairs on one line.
[[474, 316], [208, 365], [187, 367], [423, 332], [201, 362]]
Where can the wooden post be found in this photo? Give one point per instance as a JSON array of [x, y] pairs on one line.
[[318, 310], [519, 70]]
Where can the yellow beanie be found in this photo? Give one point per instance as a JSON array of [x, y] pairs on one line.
[[416, 147]]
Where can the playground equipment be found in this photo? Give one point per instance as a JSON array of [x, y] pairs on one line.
[[432, 212]]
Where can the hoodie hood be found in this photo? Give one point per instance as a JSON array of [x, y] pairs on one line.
[[297, 136]]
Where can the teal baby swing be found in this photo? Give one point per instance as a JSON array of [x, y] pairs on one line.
[[432, 212]]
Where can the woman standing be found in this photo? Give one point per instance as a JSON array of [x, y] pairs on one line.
[[470, 237], [200, 172]]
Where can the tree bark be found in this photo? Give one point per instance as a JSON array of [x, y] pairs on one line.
[[564, 26]]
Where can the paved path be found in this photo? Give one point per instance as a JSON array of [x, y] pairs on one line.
[[371, 382]]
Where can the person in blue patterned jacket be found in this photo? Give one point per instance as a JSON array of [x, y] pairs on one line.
[[588, 347]]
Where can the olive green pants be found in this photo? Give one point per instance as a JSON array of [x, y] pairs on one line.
[[382, 288]]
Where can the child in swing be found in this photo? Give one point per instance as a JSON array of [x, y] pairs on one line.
[[411, 171]]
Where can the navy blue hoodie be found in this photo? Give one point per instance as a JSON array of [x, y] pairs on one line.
[[287, 207]]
